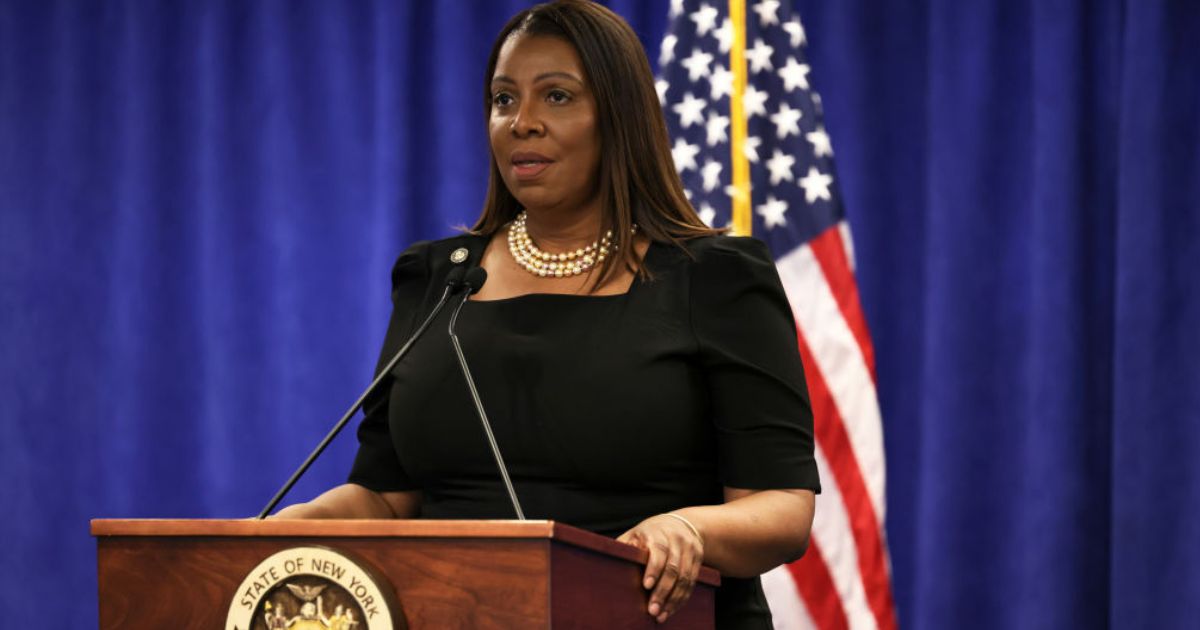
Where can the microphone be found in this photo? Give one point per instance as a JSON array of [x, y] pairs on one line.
[[454, 283], [473, 282]]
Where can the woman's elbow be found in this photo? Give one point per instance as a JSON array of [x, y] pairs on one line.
[[801, 520], [798, 547]]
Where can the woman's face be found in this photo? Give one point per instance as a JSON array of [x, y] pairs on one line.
[[543, 124]]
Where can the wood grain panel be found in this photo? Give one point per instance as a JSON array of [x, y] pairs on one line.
[[171, 582]]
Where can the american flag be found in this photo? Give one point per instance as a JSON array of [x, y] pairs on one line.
[[751, 148]]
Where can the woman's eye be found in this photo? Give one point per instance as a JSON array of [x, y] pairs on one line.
[[502, 99], [558, 96]]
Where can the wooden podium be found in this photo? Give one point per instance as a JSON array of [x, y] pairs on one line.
[[436, 574]]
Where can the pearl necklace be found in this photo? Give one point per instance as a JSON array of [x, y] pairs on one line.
[[547, 265]]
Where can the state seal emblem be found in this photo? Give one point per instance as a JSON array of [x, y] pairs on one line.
[[310, 588]]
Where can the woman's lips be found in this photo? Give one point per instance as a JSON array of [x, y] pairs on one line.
[[529, 169]]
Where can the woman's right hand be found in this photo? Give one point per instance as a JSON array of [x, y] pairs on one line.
[[676, 551], [300, 510], [354, 501]]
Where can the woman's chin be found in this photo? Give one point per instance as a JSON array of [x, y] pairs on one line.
[[536, 199]]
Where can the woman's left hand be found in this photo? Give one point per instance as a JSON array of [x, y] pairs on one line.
[[676, 554]]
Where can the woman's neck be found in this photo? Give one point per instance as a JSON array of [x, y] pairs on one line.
[[559, 231]]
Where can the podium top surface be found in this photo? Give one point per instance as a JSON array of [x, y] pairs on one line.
[[275, 527], [364, 528]]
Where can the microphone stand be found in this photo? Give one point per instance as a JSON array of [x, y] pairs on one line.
[[473, 281]]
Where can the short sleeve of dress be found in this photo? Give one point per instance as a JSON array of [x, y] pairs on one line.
[[376, 466], [748, 349]]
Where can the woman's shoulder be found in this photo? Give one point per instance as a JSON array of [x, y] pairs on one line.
[[424, 259], [718, 253], [722, 246], [722, 268]]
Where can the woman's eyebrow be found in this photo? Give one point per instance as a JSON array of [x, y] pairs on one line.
[[500, 78]]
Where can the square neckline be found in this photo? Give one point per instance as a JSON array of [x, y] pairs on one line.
[[637, 282]]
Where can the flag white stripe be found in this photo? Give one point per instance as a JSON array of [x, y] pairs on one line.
[[840, 362], [847, 244], [788, 611], [831, 531]]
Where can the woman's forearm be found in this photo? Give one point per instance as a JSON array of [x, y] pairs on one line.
[[754, 531], [354, 501]]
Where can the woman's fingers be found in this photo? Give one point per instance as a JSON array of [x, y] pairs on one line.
[[655, 561], [683, 586], [671, 569], [675, 557]]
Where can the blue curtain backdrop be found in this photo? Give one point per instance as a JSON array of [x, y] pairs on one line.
[[200, 203]]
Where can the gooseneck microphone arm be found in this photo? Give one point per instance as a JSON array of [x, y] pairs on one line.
[[474, 281], [454, 283]]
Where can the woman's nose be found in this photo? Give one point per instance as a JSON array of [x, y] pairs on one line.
[[527, 123]]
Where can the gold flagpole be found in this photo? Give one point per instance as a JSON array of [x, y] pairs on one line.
[[737, 121]]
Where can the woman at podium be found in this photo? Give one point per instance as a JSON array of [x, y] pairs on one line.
[[639, 368]]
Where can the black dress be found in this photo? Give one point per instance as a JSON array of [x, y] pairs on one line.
[[607, 409]]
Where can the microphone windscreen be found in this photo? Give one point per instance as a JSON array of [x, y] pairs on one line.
[[454, 279], [475, 278]]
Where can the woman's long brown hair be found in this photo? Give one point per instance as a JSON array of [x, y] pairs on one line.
[[638, 183]]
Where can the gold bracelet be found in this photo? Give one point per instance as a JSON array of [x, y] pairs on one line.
[[688, 523]]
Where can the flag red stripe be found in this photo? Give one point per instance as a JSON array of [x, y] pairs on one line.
[[816, 588], [830, 253], [868, 537]]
